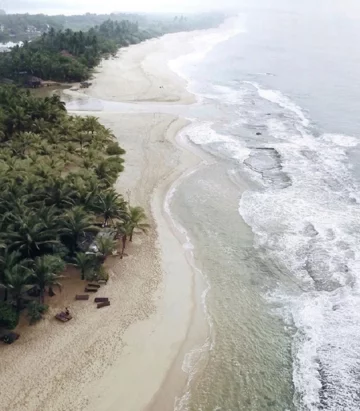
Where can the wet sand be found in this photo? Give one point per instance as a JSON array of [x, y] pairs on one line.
[[119, 357]]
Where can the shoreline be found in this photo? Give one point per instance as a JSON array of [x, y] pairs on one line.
[[134, 345], [193, 330], [133, 355]]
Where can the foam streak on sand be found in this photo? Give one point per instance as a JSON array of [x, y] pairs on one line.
[[106, 360]]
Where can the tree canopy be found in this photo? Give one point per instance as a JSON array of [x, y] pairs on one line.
[[57, 52], [51, 205]]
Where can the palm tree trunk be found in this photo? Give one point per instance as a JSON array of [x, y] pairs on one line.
[[124, 238], [131, 235], [42, 296], [18, 305]]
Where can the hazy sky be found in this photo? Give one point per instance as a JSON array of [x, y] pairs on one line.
[[107, 6], [349, 8]]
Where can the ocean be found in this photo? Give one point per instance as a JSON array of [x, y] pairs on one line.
[[274, 216]]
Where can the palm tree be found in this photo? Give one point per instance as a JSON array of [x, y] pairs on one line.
[[8, 260], [59, 193], [29, 235], [17, 119], [82, 138], [104, 136], [111, 205], [45, 273], [75, 224], [16, 277], [137, 218], [90, 124], [84, 262], [105, 246], [123, 231]]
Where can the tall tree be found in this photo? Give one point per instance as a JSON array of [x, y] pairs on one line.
[[137, 218], [16, 278], [45, 273], [84, 262], [111, 206], [76, 223], [29, 235]]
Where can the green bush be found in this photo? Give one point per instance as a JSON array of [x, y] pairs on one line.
[[113, 149], [8, 317], [36, 311]]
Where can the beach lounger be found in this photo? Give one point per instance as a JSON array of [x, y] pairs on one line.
[[94, 285], [91, 290], [10, 338], [104, 304], [101, 299], [82, 297], [102, 281], [63, 317]]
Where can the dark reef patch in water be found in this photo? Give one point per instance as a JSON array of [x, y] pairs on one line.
[[266, 161]]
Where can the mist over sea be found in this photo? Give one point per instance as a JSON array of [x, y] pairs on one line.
[[274, 218]]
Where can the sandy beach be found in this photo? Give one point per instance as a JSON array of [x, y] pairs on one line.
[[121, 357]]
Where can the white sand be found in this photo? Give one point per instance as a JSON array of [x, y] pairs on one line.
[[141, 72], [117, 358]]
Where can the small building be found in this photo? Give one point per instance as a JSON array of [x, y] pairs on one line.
[[33, 82]]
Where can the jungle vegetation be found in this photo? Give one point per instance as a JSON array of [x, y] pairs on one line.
[[57, 202]]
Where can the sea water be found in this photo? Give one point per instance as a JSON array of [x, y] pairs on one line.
[[274, 215]]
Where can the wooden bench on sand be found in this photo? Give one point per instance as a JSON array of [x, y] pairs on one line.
[[104, 304], [94, 285], [82, 297], [91, 290], [63, 317], [101, 299]]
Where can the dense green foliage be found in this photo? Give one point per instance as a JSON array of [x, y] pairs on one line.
[[68, 55], [36, 311], [8, 316], [23, 27], [55, 195]]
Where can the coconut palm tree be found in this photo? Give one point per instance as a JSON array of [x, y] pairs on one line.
[[83, 139], [29, 235], [8, 260], [111, 206], [137, 218], [123, 231], [16, 277], [90, 124], [45, 273], [105, 246], [59, 193], [74, 225], [84, 262]]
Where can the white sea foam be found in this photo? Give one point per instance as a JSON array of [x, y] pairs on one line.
[[312, 229], [203, 43], [203, 134], [277, 97]]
